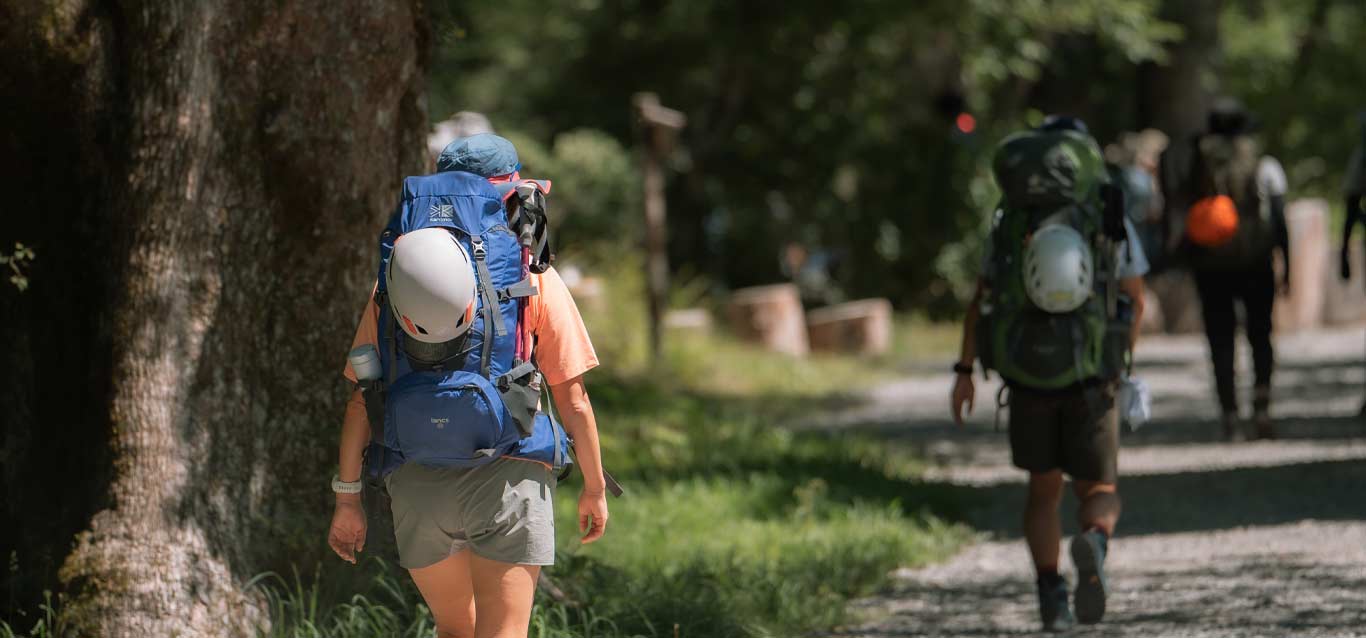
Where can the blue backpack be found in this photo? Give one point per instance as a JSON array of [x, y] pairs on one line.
[[483, 404]]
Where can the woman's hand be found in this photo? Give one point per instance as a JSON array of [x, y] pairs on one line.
[[347, 535], [592, 515]]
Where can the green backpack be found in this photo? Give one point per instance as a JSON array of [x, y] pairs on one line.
[[1053, 177]]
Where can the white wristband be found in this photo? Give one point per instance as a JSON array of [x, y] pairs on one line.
[[342, 487]]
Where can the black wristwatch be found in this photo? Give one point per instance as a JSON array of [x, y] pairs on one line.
[[961, 368]]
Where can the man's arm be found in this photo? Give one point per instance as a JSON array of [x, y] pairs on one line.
[[1349, 224], [967, 352], [964, 391], [1282, 236], [1133, 287]]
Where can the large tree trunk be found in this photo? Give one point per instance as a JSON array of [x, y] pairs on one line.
[[1176, 95], [217, 173]]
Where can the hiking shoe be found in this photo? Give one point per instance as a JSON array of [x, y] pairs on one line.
[[1053, 607], [1233, 431], [1264, 428], [1088, 554]]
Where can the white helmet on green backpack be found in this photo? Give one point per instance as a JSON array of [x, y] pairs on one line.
[[431, 285], [1058, 272]]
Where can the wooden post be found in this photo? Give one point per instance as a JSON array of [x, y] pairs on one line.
[[656, 128]]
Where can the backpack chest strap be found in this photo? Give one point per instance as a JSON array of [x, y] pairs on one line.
[[519, 290]]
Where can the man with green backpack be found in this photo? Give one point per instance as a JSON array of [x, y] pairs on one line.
[[1056, 315]]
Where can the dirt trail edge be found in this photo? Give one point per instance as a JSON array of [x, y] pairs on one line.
[[1217, 540]]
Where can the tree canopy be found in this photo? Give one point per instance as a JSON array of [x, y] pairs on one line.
[[836, 125]]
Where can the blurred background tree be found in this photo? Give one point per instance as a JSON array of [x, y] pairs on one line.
[[837, 126]]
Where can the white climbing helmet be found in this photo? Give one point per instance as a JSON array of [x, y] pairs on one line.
[[1058, 271], [431, 285]]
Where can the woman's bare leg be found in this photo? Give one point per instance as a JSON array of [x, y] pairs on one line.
[[503, 593], [449, 592]]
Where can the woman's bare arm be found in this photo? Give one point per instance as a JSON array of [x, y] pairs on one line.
[[576, 411], [571, 400], [354, 437]]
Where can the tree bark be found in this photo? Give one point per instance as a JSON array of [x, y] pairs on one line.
[[1176, 95], [236, 160]]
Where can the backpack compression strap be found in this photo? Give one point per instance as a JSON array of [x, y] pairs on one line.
[[491, 298], [493, 317]]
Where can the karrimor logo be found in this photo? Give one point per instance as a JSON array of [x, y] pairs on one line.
[[442, 212], [440, 423]]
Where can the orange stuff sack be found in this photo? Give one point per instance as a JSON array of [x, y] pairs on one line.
[[1212, 221]]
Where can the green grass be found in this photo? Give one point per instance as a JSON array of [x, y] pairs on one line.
[[745, 555], [921, 341], [46, 623]]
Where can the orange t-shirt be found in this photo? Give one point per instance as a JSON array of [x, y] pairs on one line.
[[563, 350]]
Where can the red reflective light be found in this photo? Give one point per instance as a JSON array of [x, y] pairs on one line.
[[966, 122]]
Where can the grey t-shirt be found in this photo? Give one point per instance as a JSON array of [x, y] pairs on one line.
[[1130, 259], [1271, 181]]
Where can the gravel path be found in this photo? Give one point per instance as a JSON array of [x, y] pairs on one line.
[[1217, 540]]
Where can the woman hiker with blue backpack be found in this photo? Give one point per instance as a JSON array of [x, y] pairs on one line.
[[467, 331], [1056, 315]]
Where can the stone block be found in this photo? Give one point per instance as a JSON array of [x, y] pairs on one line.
[[1302, 309], [770, 316], [857, 327], [1345, 301], [690, 320]]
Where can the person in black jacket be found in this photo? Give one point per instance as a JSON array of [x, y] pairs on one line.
[[1231, 259], [1354, 192]]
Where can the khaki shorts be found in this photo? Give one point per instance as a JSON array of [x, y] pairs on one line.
[[502, 511], [1067, 430]]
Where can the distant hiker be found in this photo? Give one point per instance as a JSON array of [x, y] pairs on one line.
[[465, 332], [1133, 166], [459, 125], [1056, 315], [1233, 197], [1354, 192], [812, 270]]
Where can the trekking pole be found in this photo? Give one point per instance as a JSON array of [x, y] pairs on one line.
[[523, 347]]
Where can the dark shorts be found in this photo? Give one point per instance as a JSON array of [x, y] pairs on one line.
[[1064, 429]]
